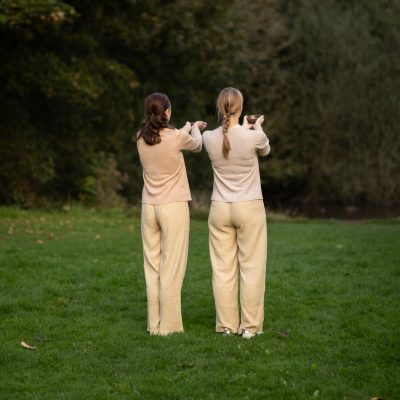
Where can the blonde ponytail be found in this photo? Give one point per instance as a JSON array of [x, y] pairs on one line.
[[229, 102]]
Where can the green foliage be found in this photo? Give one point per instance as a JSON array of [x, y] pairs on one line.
[[34, 14], [328, 81], [61, 105], [104, 185], [75, 73]]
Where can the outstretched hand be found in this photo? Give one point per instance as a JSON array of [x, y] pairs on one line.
[[200, 124]]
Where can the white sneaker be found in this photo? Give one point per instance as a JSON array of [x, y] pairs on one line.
[[227, 332], [248, 335]]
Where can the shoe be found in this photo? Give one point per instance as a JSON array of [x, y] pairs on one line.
[[248, 335], [227, 332]]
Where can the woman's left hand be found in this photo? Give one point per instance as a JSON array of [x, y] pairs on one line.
[[200, 124], [258, 123]]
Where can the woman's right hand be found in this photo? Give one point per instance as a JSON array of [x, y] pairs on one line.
[[258, 123], [246, 124]]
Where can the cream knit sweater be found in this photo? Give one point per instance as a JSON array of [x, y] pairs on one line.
[[164, 171], [236, 178]]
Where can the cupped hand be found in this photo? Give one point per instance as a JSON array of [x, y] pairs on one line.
[[246, 123], [200, 124], [259, 122]]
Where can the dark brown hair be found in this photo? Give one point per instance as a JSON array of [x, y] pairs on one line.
[[154, 118]]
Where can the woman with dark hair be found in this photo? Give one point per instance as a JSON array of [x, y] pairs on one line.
[[237, 221], [165, 211]]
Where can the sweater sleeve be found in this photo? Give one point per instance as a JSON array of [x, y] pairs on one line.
[[191, 142], [262, 143]]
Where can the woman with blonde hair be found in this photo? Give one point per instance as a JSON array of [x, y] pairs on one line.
[[237, 220], [165, 212]]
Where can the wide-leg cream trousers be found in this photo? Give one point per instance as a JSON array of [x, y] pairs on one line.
[[165, 236], [238, 247]]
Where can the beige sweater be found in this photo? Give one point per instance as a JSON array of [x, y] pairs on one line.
[[238, 177], [164, 171]]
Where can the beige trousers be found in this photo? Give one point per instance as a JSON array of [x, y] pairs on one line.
[[238, 248], [165, 236]]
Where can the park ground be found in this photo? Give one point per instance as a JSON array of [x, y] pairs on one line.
[[72, 285]]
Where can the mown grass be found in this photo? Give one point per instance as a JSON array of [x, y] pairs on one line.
[[71, 284]]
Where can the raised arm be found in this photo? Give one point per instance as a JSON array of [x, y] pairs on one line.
[[192, 142], [262, 142]]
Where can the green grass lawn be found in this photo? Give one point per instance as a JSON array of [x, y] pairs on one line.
[[72, 284]]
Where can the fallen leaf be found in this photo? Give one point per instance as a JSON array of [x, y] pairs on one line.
[[39, 241], [376, 398], [27, 346], [50, 236]]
